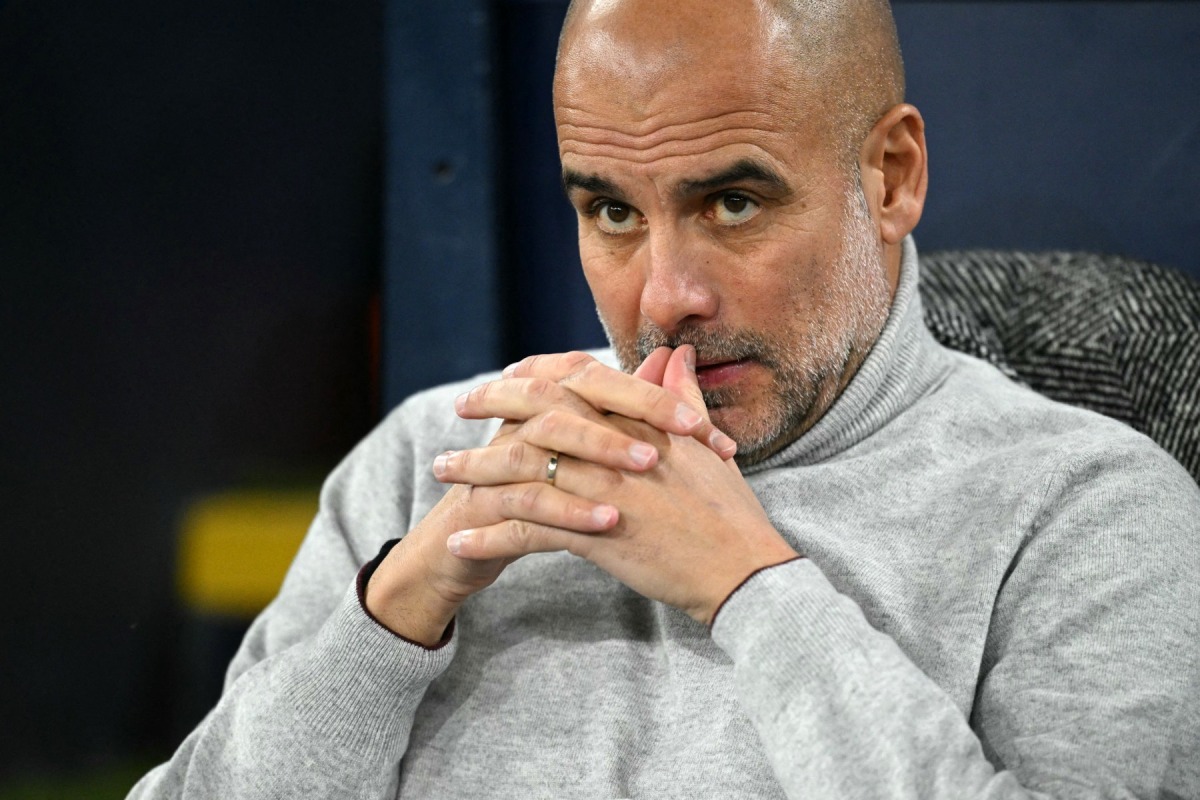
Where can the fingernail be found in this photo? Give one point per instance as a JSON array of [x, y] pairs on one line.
[[441, 462], [457, 540], [722, 443], [509, 370], [460, 402], [689, 358], [603, 516], [641, 453], [686, 417]]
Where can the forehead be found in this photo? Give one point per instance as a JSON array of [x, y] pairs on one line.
[[642, 89]]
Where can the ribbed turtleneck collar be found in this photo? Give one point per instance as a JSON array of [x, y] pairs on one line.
[[904, 363]]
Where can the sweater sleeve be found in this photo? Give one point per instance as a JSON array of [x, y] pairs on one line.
[[320, 699], [1087, 689]]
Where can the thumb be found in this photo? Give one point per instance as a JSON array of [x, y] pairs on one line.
[[679, 378], [652, 368]]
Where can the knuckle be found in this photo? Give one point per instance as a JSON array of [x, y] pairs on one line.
[[551, 421], [532, 364], [515, 457], [479, 394], [520, 534], [593, 370], [535, 388], [577, 359], [529, 496], [587, 439], [519, 500], [658, 398]]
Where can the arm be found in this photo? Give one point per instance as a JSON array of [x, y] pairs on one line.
[[320, 699], [275, 732], [1084, 690], [1064, 709]]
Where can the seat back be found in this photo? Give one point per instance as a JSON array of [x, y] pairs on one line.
[[1107, 333]]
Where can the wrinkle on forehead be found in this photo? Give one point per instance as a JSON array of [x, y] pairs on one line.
[[580, 124], [630, 155]]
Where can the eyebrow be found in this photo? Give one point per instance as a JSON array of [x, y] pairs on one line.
[[572, 180], [747, 169]]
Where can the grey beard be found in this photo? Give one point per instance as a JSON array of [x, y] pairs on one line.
[[796, 388], [807, 370]]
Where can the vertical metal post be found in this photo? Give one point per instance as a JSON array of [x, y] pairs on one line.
[[441, 315]]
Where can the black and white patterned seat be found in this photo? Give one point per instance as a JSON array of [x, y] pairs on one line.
[[1107, 333]]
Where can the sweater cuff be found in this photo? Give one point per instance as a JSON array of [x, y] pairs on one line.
[[746, 580]]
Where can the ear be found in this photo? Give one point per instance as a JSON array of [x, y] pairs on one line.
[[895, 171]]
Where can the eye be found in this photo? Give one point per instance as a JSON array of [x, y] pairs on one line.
[[615, 218], [733, 209]]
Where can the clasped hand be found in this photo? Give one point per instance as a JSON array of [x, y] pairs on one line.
[[645, 487]]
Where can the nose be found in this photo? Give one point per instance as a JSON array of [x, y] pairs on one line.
[[678, 288]]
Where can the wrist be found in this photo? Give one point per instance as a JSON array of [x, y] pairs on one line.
[[399, 596]]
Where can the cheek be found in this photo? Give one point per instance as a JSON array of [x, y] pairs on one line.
[[761, 282], [615, 287]]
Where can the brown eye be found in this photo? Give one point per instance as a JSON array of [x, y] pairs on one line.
[[734, 209], [616, 218], [617, 214]]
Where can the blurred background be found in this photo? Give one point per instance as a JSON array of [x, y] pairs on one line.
[[232, 235]]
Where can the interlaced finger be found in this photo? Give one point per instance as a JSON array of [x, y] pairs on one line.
[[517, 461], [612, 391], [519, 399], [552, 366], [543, 504], [516, 538]]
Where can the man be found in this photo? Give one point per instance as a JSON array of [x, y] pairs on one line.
[[913, 579]]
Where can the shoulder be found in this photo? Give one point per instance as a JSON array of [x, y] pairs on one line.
[[1065, 456], [978, 399], [986, 430]]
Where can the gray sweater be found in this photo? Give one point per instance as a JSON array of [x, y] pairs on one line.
[[1000, 599]]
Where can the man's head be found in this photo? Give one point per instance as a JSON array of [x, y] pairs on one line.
[[744, 174]]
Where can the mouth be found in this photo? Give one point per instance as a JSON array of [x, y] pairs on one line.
[[713, 374]]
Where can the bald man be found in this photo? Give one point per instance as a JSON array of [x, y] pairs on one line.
[[778, 543]]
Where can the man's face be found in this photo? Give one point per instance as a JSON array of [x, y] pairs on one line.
[[713, 210]]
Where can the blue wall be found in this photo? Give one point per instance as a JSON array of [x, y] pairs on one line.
[[1060, 125], [1050, 125]]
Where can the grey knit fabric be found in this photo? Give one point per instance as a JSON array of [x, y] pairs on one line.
[[1107, 333], [997, 601]]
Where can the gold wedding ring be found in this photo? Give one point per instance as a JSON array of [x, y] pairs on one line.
[[552, 469]]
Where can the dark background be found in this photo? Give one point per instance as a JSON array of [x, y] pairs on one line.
[[201, 202], [189, 244]]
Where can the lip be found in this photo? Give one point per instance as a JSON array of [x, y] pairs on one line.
[[713, 374]]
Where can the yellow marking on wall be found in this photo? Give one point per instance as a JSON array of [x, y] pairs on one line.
[[235, 548]]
